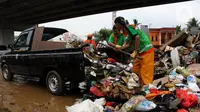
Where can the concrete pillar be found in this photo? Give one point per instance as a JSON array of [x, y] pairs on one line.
[[6, 36]]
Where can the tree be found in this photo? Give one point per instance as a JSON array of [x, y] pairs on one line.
[[105, 32], [178, 29], [102, 32], [136, 23], [192, 23], [96, 34]]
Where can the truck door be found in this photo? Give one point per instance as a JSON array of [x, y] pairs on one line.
[[18, 56]]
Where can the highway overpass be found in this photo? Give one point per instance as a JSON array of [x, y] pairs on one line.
[[20, 14]]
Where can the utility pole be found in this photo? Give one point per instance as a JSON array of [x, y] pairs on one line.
[[114, 15]]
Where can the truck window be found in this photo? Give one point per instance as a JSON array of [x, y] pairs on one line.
[[23, 42], [50, 33]]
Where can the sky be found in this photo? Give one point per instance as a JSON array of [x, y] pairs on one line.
[[168, 15]]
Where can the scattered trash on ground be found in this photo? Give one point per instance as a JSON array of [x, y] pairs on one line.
[[111, 86]]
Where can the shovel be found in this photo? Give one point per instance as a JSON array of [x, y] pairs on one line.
[[138, 57]]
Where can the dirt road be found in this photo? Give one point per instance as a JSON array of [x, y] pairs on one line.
[[25, 94]]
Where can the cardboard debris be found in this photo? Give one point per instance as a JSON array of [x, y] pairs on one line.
[[163, 80], [177, 40]]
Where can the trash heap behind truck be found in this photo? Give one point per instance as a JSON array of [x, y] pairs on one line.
[[33, 54]]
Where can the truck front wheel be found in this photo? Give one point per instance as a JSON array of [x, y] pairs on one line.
[[55, 83], [7, 75]]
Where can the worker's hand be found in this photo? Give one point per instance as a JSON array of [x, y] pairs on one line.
[[118, 46], [134, 54]]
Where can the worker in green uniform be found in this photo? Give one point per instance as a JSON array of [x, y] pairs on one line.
[[140, 45], [116, 40]]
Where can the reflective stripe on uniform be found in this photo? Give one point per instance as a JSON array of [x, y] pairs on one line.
[[150, 45]]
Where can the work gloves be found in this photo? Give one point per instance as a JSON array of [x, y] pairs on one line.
[[134, 54]]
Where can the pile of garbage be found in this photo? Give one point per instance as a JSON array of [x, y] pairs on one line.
[[110, 86], [71, 40], [114, 88], [182, 50]]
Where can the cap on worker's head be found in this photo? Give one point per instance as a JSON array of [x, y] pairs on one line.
[[89, 35]]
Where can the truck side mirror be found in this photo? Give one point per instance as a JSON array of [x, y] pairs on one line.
[[10, 46]]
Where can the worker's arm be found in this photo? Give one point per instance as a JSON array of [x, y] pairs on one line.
[[125, 46], [111, 44], [111, 41], [137, 44]]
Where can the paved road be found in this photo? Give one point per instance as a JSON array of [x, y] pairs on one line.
[[27, 95]]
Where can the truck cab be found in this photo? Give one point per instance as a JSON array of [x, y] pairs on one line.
[[34, 55]]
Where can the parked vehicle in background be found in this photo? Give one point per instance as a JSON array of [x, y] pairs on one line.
[[33, 55]]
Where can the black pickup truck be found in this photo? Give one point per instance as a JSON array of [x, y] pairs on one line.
[[33, 55]]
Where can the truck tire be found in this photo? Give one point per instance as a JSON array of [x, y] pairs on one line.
[[7, 75], [55, 83]]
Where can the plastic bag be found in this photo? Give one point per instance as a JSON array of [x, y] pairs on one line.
[[191, 80], [172, 75], [182, 110], [154, 92], [189, 100], [111, 60], [175, 57], [145, 105], [132, 83], [96, 91], [85, 106], [129, 106], [82, 85], [101, 101], [182, 71], [174, 104]]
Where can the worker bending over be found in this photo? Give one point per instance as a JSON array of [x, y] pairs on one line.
[[138, 42]]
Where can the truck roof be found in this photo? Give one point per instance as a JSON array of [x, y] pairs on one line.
[[48, 28]]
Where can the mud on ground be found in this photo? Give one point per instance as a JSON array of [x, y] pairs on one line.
[[25, 94]]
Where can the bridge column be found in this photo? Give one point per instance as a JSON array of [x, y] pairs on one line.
[[6, 36]]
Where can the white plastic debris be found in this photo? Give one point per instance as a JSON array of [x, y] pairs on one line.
[[132, 83], [145, 106], [78, 101], [175, 57], [85, 106], [129, 106], [168, 48], [110, 66], [172, 75], [82, 85], [179, 77], [121, 65], [101, 101], [192, 83], [93, 73]]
